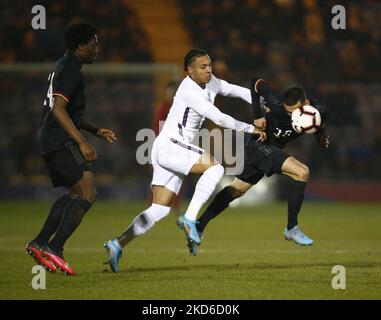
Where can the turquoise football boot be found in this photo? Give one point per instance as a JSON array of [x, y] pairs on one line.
[[297, 235], [114, 252], [189, 228]]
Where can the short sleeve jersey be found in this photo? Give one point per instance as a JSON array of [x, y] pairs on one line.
[[67, 82]]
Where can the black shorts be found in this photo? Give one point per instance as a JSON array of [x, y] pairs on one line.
[[261, 159], [66, 166]]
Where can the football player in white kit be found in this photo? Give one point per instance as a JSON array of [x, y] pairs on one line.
[[174, 156]]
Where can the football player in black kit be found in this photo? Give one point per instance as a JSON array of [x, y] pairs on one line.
[[65, 150], [268, 157]]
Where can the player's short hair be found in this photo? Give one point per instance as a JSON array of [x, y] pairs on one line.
[[192, 55], [79, 33], [293, 95]]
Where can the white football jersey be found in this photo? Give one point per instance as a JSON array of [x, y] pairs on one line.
[[191, 102]]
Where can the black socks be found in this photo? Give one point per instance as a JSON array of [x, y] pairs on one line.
[[224, 197], [73, 216], [53, 220], [295, 200], [220, 203]]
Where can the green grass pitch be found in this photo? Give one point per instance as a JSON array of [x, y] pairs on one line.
[[243, 255]]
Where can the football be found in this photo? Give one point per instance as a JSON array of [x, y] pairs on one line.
[[306, 119]]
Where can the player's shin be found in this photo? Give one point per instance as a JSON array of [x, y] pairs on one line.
[[143, 222], [73, 216], [295, 200], [204, 189], [53, 220]]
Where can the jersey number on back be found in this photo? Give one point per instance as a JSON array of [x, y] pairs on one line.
[[49, 100]]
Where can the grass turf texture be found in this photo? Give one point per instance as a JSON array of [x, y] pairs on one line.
[[243, 255]]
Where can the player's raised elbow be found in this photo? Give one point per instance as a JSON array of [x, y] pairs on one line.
[[255, 83]]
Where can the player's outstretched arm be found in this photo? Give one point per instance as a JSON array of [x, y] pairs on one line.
[[250, 96], [207, 109], [259, 117], [232, 90], [226, 121], [255, 98]]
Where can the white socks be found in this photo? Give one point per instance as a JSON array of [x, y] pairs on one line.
[[204, 189], [147, 219], [143, 222]]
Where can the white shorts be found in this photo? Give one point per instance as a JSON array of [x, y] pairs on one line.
[[172, 159]]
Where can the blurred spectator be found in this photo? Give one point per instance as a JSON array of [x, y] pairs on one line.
[[162, 109], [293, 42], [235, 30], [120, 31], [119, 101], [286, 41], [123, 103]]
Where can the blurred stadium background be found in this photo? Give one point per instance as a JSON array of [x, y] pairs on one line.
[[143, 42]]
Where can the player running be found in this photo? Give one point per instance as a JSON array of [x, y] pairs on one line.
[[268, 157], [66, 152], [174, 156]]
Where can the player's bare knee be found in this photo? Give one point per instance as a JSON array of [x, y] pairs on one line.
[[94, 195], [162, 196], [90, 195], [304, 173]]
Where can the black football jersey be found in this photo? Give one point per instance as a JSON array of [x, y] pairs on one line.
[[279, 129], [66, 81]]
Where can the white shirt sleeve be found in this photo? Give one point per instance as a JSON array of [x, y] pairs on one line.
[[224, 120], [232, 90], [205, 108]]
